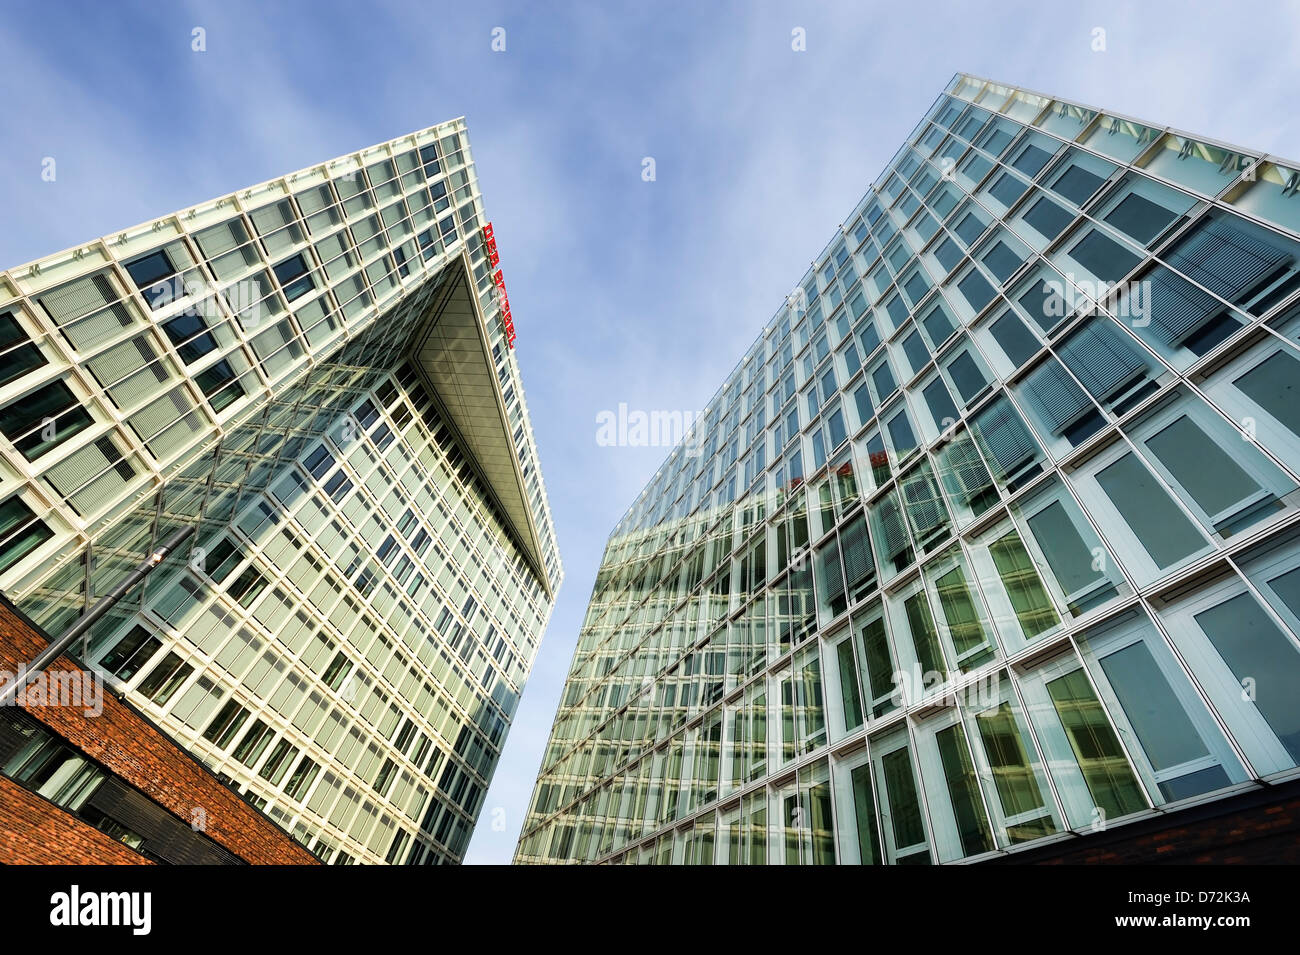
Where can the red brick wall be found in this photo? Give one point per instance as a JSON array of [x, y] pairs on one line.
[[33, 831], [1255, 827], [132, 748]]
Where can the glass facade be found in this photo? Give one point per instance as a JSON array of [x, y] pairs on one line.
[[992, 534], [315, 373]]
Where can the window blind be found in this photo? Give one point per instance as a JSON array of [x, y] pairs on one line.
[[1102, 358], [1004, 438], [1061, 401]]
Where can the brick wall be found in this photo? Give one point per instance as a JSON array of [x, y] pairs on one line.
[[141, 754], [1260, 826], [33, 831]]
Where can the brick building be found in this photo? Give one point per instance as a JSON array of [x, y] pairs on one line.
[[98, 783]]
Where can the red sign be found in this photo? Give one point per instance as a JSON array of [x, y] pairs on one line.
[[503, 300]]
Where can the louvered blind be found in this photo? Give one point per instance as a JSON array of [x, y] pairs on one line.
[[924, 509], [1102, 358], [1004, 438], [858, 566], [891, 524], [967, 468], [1225, 259], [1061, 401]]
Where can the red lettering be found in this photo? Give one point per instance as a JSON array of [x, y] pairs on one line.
[[499, 280]]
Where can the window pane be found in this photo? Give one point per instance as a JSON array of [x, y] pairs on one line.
[[1208, 473], [1159, 721], [1104, 257], [1024, 587], [1106, 771], [1048, 218], [1160, 527], [1255, 649], [1140, 218], [1013, 775], [963, 791]]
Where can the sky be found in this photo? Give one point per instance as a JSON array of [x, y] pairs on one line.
[[624, 289]]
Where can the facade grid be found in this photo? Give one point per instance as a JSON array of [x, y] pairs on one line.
[[991, 537], [314, 371]]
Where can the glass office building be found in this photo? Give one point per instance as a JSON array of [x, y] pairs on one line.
[[990, 538], [316, 374]]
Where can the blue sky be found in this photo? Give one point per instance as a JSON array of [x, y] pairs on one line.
[[622, 290]]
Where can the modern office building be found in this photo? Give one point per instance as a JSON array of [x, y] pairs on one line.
[[989, 545], [318, 374]]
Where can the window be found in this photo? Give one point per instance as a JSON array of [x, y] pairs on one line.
[[220, 384], [1030, 604], [20, 532], [189, 333], [883, 379], [1021, 810], [1162, 530], [900, 805], [1178, 748], [938, 326], [964, 477], [939, 403], [1083, 753], [949, 254], [149, 272], [294, 278], [877, 663], [1047, 218], [976, 290], [970, 228], [1246, 648], [277, 764], [859, 571], [253, 743], [1103, 257], [303, 776], [901, 435], [1001, 261], [1062, 409], [1006, 443], [1223, 478], [43, 419], [956, 808], [966, 376], [1079, 570], [862, 400], [165, 679], [1044, 303], [319, 462], [964, 628], [889, 533], [1077, 184], [915, 350], [1007, 189], [1015, 340], [859, 835], [1140, 218], [226, 724], [1109, 364], [916, 286], [129, 655], [18, 355], [1031, 160]]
